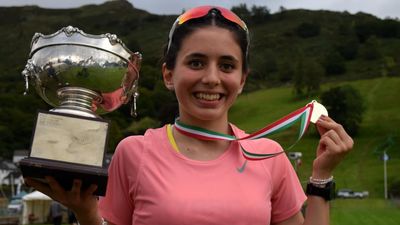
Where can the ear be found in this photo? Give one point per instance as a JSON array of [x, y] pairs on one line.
[[167, 77], [242, 82]]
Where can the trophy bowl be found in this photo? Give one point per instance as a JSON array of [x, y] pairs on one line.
[[81, 76]]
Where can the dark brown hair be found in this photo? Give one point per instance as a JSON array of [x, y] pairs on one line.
[[213, 18]]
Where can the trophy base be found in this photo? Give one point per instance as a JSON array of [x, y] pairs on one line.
[[65, 173]]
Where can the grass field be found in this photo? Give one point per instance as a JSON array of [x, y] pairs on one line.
[[362, 169], [365, 212]]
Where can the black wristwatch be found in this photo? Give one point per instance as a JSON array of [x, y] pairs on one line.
[[327, 192]]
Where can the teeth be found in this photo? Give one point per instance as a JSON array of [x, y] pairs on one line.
[[208, 97]]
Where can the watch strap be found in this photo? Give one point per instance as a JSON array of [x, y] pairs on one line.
[[327, 192]]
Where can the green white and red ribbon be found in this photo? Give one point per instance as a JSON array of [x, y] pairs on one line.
[[303, 115]]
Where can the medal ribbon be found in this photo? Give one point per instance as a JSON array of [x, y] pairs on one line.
[[303, 115]]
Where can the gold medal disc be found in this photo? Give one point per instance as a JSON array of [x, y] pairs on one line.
[[318, 110]]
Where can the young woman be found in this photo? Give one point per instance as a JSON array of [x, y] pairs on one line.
[[171, 177]]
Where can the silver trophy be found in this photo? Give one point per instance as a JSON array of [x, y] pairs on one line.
[[81, 76]]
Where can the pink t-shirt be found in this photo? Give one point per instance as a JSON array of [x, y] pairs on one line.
[[152, 184]]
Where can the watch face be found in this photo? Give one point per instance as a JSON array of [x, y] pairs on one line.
[[327, 192]]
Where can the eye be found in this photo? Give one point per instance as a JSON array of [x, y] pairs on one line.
[[196, 64], [227, 67]]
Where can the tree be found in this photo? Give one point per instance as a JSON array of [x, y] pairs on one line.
[[286, 71], [298, 78], [259, 14], [345, 29], [307, 30], [307, 77], [364, 30], [334, 63], [371, 49], [389, 28], [346, 106], [242, 11], [347, 48], [264, 65], [20, 112], [389, 66], [314, 74]]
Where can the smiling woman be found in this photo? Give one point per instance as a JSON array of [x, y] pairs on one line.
[[170, 176]]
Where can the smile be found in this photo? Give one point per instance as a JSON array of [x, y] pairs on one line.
[[207, 97]]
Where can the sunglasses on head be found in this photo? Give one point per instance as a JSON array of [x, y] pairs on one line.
[[202, 11]]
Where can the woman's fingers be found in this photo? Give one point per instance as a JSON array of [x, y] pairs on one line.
[[54, 185], [334, 144], [326, 124], [90, 191], [75, 193], [76, 187], [38, 185]]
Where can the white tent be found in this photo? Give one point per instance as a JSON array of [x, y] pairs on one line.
[[35, 205]]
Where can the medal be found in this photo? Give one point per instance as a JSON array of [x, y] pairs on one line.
[[318, 111]]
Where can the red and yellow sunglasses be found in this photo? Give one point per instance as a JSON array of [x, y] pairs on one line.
[[202, 11]]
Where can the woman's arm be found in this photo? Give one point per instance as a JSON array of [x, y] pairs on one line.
[[334, 144]]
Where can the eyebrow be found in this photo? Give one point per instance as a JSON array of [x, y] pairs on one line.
[[201, 55], [196, 55], [229, 57]]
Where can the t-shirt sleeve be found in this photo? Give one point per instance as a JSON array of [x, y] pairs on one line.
[[117, 205], [287, 195]]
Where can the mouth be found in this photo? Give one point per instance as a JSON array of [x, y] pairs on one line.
[[208, 96]]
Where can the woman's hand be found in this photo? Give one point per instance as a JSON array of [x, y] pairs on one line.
[[334, 144], [83, 203]]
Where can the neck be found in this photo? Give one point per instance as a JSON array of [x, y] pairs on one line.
[[220, 126], [199, 149]]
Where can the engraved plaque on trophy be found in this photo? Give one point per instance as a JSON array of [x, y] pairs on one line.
[[81, 76]]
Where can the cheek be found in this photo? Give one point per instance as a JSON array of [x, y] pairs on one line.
[[234, 84], [182, 87], [184, 78]]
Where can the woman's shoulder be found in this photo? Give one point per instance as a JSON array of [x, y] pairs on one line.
[[138, 143]]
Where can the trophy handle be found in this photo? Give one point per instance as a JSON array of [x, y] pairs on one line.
[[28, 72], [135, 97], [26, 77], [130, 83]]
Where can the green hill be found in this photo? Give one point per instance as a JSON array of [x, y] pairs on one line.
[[356, 49], [345, 46], [362, 169]]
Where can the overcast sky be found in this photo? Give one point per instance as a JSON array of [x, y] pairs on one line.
[[380, 8]]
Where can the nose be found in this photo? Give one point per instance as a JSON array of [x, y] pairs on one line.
[[211, 76]]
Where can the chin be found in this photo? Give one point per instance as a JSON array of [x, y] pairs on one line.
[[210, 115]]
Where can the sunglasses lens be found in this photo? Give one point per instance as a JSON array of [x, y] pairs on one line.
[[229, 15], [194, 13], [201, 11]]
